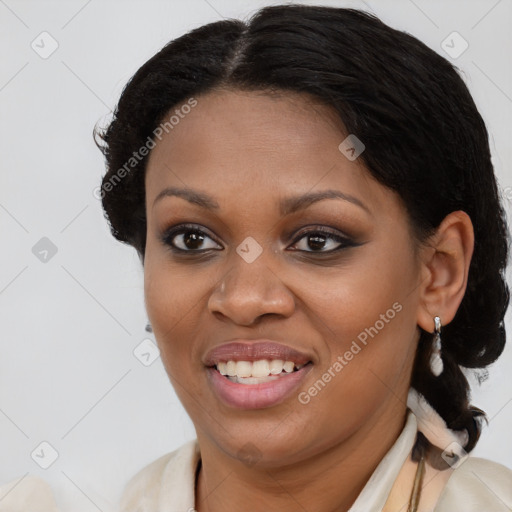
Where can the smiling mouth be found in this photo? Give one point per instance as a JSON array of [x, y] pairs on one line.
[[257, 372]]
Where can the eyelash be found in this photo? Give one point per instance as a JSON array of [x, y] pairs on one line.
[[169, 235]]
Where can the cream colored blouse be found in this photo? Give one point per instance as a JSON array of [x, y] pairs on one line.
[[168, 485], [477, 485]]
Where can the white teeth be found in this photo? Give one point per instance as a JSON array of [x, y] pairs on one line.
[[258, 369], [243, 369], [231, 368], [276, 366], [253, 380], [288, 366]]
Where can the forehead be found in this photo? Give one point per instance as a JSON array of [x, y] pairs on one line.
[[245, 144]]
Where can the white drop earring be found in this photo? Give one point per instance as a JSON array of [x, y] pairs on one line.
[[436, 362]]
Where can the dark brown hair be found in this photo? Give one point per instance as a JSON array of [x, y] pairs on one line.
[[423, 134]]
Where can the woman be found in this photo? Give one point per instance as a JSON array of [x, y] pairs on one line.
[[312, 198]]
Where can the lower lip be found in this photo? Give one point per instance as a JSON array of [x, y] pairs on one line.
[[256, 396]]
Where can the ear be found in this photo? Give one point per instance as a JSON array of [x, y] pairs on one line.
[[445, 266]]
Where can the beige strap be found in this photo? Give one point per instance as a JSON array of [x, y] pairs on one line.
[[417, 486], [430, 487]]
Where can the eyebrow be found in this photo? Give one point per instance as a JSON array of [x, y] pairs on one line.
[[295, 203], [192, 196], [287, 205]]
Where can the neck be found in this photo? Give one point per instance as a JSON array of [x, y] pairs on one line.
[[330, 480]]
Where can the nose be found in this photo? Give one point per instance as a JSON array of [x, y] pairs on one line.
[[250, 290]]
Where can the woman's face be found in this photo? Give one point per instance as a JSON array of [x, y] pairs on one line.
[[250, 264]]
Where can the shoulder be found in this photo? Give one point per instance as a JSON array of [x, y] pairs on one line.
[[167, 477], [476, 485], [27, 493]]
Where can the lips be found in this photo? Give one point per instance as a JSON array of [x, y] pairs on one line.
[[254, 351], [225, 365]]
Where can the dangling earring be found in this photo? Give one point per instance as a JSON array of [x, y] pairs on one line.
[[436, 362], [149, 328]]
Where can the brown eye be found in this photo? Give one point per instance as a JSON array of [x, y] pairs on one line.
[[189, 239], [321, 240]]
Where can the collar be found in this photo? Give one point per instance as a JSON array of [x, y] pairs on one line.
[[377, 489], [179, 475]]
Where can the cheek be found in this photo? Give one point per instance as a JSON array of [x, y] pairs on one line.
[[349, 299], [170, 291], [366, 312], [172, 300], [162, 300], [369, 327], [368, 358]]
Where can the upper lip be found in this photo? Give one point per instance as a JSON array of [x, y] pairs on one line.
[[254, 350]]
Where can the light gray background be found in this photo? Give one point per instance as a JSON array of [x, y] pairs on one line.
[[68, 374]]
